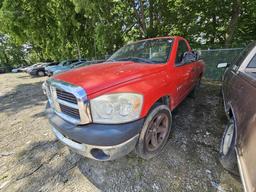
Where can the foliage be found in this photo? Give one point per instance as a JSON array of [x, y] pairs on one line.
[[10, 53], [61, 29]]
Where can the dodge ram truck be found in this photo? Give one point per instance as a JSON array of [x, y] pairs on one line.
[[104, 111], [239, 138]]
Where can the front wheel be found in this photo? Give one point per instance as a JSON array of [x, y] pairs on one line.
[[40, 73], [155, 132], [228, 157]]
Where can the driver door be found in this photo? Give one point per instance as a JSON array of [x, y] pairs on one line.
[[182, 71]]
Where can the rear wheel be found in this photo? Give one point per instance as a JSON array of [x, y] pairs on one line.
[[155, 132], [228, 157]]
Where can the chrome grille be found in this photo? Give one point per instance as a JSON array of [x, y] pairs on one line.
[[70, 111], [66, 96], [68, 101]]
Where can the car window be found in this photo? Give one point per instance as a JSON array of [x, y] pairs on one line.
[[51, 64], [67, 63], [182, 48], [252, 63], [62, 63], [241, 57]]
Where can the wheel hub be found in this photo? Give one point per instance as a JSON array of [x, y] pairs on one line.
[[157, 131]]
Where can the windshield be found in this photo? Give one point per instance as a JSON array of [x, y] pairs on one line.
[[81, 65], [63, 63], [148, 51], [36, 65], [77, 63], [43, 65]]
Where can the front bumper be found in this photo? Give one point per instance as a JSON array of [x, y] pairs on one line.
[[96, 141], [100, 153]]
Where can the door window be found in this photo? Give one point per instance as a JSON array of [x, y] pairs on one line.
[[182, 48]]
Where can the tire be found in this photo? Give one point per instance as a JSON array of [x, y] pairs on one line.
[[227, 154], [145, 147], [40, 73], [194, 91]]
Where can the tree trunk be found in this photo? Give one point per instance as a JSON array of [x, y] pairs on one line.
[[212, 38], [143, 23], [39, 53], [236, 9], [151, 19], [139, 14]]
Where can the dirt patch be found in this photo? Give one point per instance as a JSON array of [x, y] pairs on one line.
[[31, 159]]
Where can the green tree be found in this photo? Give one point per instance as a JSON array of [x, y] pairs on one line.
[[61, 29], [10, 53]]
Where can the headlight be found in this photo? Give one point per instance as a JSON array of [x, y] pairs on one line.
[[116, 108]]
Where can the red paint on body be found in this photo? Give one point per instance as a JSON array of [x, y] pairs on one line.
[[153, 81]]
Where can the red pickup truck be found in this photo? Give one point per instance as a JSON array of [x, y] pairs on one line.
[[104, 111]]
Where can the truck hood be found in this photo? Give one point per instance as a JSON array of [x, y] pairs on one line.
[[97, 77]]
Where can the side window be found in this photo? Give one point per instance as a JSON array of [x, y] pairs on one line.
[[252, 63], [241, 56], [182, 48]]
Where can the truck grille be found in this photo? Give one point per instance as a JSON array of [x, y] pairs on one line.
[[68, 101], [66, 96], [70, 111]]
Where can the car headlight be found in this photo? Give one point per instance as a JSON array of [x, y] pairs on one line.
[[116, 108]]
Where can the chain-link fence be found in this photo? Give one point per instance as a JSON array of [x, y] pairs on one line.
[[212, 57]]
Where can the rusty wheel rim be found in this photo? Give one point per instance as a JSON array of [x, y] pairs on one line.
[[157, 131]]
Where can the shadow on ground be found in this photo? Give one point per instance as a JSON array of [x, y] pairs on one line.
[[189, 162], [22, 97], [43, 166]]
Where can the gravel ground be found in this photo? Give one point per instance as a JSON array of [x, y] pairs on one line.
[[31, 159]]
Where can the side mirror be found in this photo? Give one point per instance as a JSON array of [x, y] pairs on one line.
[[222, 65], [189, 56]]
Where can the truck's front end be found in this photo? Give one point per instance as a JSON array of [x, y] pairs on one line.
[[70, 115]]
